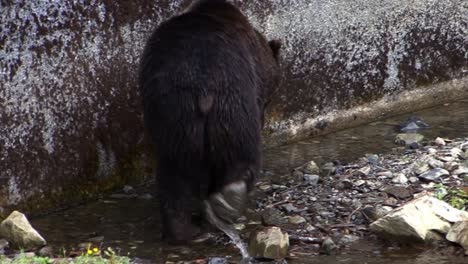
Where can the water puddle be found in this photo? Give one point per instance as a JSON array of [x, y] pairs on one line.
[[131, 225]]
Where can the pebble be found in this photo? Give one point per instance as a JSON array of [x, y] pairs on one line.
[[431, 151], [434, 163], [439, 142], [217, 260], [311, 179], [460, 170], [296, 219], [359, 183], [399, 192], [348, 239], [364, 171], [400, 178], [434, 174], [328, 246], [413, 179]]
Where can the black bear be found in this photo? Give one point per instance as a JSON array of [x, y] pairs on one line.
[[205, 78]]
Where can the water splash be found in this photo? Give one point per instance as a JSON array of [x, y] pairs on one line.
[[230, 231]]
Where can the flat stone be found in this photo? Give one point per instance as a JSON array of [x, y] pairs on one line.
[[434, 174], [408, 138], [413, 179], [417, 220], [348, 239], [18, 231], [399, 192], [269, 243], [459, 234]]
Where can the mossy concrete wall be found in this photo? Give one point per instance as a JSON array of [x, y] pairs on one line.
[[70, 116]]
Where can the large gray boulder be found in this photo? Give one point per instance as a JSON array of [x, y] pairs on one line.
[[419, 220], [18, 231]]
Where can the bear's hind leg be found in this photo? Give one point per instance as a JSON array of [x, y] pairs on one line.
[[176, 204]]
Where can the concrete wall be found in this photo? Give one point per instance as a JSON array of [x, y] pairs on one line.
[[70, 119]]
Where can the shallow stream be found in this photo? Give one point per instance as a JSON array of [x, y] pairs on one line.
[[131, 224]]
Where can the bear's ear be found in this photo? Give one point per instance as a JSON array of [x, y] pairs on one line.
[[275, 46]]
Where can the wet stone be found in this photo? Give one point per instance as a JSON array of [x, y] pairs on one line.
[[311, 179], [311, 168], [408, 138], [46, 251], [372, 158], [434, 174], [399, 192], [413, 123], [217, 260], [348, 239], [373, 213], [328, 246]]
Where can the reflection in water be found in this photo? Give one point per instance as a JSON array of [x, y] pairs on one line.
[[132, 224]]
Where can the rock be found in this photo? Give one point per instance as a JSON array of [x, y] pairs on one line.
[[372, 213], [273, 217], [328, 246], [344, 184], [296, 219], [434, 174], [372, 158], [290, 208], [386, 174], [400, 178], [310, 228], [46, 251], [434, 163], [311, 168], [364, 171], [408, 138], [297, 175], [348, 239], [459, 234], [128, 189], [413, 123], [399, 192], [413, 179], [311, 179], [431, 151], [239, 226], [328, 168], [461, 170], [421, 168], [456, 152], [3, 245], [217, 260], [359, 183], [17, 230], [439, 142], [270, 243], [417, 220]]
